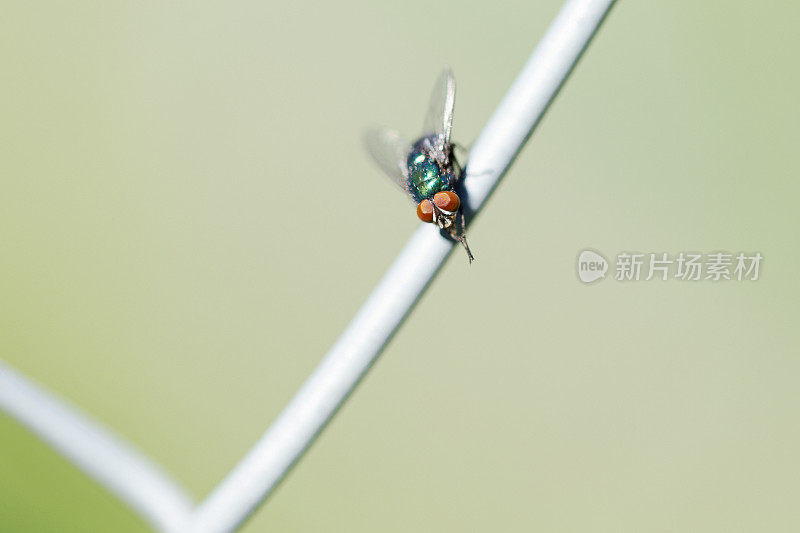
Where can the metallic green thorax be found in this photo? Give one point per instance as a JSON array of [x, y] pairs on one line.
[[425, 176]]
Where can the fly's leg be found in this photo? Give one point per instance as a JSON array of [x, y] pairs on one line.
[[459, 234]]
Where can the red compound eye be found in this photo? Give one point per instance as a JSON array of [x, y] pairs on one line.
[[425, 211], [447, 201]]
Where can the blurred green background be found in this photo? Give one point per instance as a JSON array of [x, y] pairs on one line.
[[188, 221]]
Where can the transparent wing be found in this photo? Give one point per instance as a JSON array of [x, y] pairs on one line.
[[439, 119], [390, 150]]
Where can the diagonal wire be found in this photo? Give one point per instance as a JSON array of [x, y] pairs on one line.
[[140, 483], [124, 471], [312, 407]]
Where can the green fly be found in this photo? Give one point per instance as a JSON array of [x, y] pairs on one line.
[[427, 170]]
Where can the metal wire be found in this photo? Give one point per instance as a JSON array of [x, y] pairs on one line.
[[143, 486], [260, 471], [111, 461]]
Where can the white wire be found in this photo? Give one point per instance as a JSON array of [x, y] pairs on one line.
[[134, 478], [259, 472], [141, 484]]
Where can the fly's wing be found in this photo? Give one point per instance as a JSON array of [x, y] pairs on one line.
[[439, 119], [390, 150]]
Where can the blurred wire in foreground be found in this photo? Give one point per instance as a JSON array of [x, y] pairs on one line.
[[127, 473], [259, 472]]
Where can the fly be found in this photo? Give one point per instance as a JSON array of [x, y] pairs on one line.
[[427, 170]]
